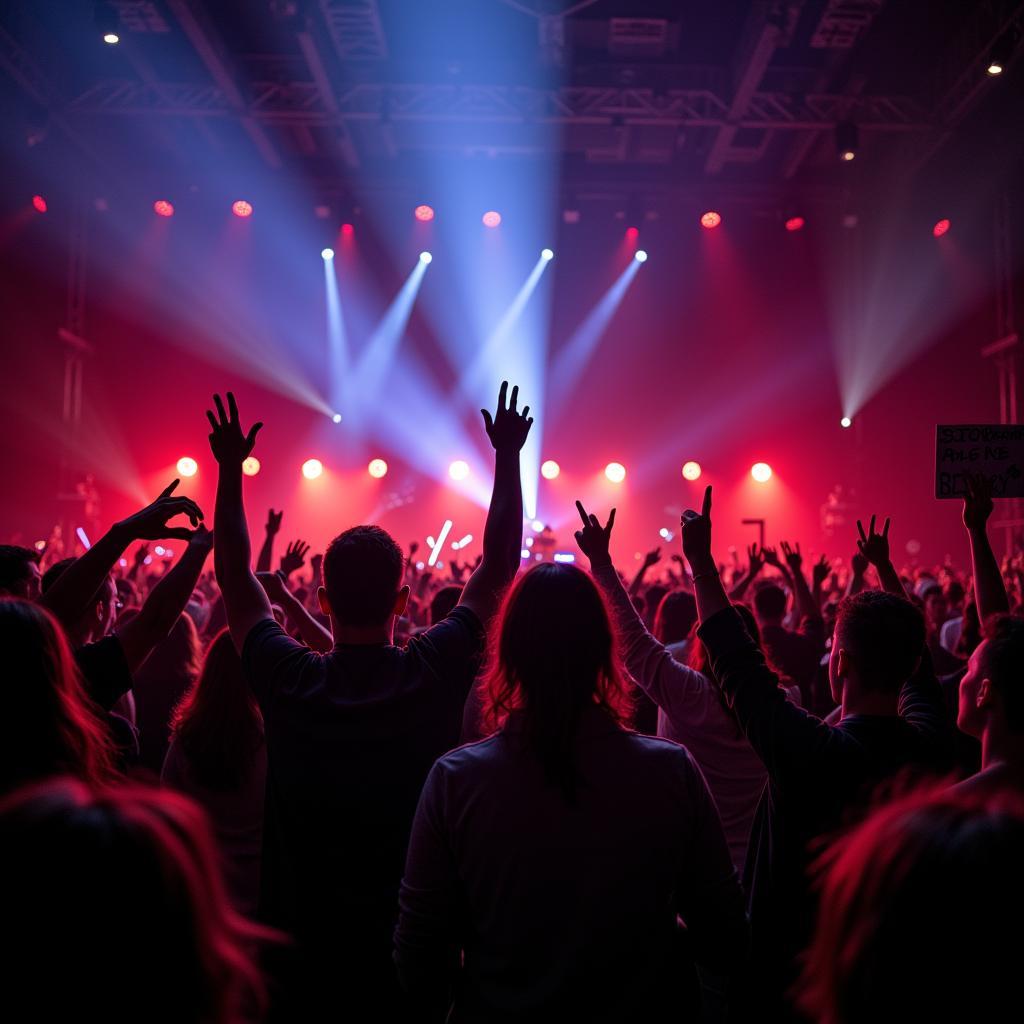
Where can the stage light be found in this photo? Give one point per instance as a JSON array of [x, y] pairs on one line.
[[187, 466], [162, 208], [941, 227], [347, 230], [111, 38], [616, 472], [377, 468], [795, 223], [995, 67], [640, 255], [251, 466], [547, 254], [108, 22], [425, 257], [312, 468], [241, 208], [537, 526], [336, 418], [632, 234], [328, 253], [1000, 54], [424, 213], [761, 472], [458, 470], [710, 219], [491, 219], [550, 469], [845, 422], [847, 140], [39, 203], [564, 556], [458, 545], [691, 470]]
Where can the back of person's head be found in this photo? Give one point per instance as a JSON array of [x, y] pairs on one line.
[[100, 609], [115, 901], [918, 910], [363, 569], [770, 602], [955, 592], [882, 636], [218, 723], [994, 681], [179, 655], [48, 726], [698, 655], [55, 572], [16, 570], [443, 602], [653, 596], [554, 655], [675, 617]]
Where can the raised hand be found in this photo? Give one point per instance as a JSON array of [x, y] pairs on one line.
[[294, 557], [977, 502], [793, 556], [859, 564], [273, 584], [150, 523], [653, 557], [201, 539], [141, 554], [874, 546], [755, 556], [593, 538], [820, 571], [273, 521], [227, 441], [508, 428], [771, 557], [696, 531]]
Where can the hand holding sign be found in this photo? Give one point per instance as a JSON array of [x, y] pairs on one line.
[[977, 502]]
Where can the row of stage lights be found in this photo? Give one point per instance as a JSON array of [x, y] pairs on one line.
[[709, 220], [459, 470]]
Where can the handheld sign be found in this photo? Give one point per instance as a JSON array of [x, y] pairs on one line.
[[995, 452]]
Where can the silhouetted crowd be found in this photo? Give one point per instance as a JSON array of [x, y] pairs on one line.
[[514, 791]]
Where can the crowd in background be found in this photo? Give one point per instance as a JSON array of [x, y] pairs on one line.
[[341, 786]]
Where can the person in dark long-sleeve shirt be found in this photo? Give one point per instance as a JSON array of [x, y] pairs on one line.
[[820, 777]]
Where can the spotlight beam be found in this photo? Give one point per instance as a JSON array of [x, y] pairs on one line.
[[337, 343]]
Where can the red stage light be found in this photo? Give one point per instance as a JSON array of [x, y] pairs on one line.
[[941, 227], [632, 233], [492, 219], [39, 203], [347, 230], [162, 208], [424, 213], [240, 208], [795, 223], [711, 219]]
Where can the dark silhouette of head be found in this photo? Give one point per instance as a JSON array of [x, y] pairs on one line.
[[48, 726], [917, 912], [697, 655], [19, 572], [96, 876], [770, 602], [218, 722], [98, 617], [363, 569], [443, 602], [675, 617], [992, 689], [877, 643], [554, 657]]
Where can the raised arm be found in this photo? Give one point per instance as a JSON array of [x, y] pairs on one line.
[[652, 558], [805, 603], [294, 557], [819, 573], [503, 532], [756, 557], [270, 531], [313, 635], [76, 587], [989, 589], [166, 601], [245, 600], [875, 548], [858, 567]]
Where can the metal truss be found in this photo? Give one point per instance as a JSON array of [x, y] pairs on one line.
[[355, 29], [304, 103]]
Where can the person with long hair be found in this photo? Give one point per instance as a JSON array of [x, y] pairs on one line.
[[548, 864], [218, 756], [114, 909], [49, 725]]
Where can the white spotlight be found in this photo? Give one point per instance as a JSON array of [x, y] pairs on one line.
[[328, 253], [546, 254], [425, 257], [845, 422], [640, 255], [336, 418]]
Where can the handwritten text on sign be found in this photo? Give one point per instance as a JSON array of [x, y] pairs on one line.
[[995, 452]]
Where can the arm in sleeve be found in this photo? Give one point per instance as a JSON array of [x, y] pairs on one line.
[[270, 655], [786, 738], [668, 683], [426, 948], [922, 705]]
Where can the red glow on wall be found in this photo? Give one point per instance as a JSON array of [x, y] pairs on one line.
[[424, 213], [39, 203], [492, 219], [711, 219], [941, 227], [632, 233], [795, 223], [347, 230], [240, 208], [162, 208]]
